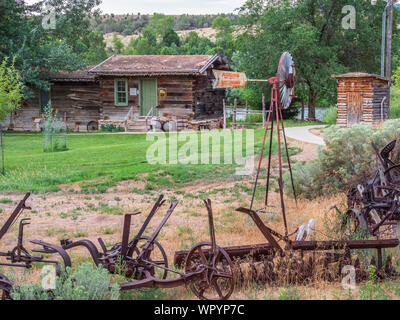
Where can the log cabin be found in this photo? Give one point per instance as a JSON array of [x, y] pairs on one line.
[[362, 98], [137, 93]]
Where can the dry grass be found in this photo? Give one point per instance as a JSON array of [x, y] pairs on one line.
[[74, 215]]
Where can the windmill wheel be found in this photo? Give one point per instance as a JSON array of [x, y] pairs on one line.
[[218, 282], [5, 287]]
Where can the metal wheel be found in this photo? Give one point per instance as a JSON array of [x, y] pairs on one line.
[[5, 287], [93, 126], [156, 254], [218, 282]]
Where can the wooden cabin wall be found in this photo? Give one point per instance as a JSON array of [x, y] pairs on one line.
[[380, 90], [179, 100], [23, 118], [186, 98], [208, 101], [109, 111], [76, 104]]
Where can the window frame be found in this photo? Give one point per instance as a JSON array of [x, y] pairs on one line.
[[116, 102]]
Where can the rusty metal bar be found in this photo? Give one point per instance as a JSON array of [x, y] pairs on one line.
[[156, 233], [17, 211], [259, 251], [211, 225], [263, 228]]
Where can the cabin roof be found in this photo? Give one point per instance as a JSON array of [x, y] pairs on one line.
[[79, 76], [151, 65], [360, 75]]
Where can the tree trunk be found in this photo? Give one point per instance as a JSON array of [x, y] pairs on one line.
[[302, 110], [312, 97]]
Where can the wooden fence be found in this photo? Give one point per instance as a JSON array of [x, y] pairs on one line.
[[246, 112]]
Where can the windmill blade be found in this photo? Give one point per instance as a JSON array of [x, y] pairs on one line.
[[287, 77]]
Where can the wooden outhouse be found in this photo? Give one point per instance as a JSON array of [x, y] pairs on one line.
[[362, 98]]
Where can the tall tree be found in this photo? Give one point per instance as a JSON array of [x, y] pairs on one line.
[[312, 31], [39, 50], [118, 46]]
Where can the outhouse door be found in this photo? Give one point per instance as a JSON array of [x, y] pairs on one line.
[[354, 108], [148, 95]]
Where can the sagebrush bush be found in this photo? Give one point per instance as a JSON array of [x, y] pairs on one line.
[[330, 116], [86, 283], [347, 158]]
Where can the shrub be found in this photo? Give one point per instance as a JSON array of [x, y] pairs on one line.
[[86, 283], [395, 103], [330, 116], [347, 158], [111, 128], [55, 137]]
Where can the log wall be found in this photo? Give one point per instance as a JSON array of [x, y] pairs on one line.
[[187, 98]]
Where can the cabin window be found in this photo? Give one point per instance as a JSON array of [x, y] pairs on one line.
[[121, 92]]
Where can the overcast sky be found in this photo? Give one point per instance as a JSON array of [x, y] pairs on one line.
[[168, 6]]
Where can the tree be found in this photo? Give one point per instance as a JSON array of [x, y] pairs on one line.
[[170, 37], [96, 48], [162, 23], [11, 89], [311, 30], [118, 46], [39, 51], [223, 26]]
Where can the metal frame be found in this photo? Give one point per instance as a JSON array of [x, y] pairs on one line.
[[19, 256], [121, 258]]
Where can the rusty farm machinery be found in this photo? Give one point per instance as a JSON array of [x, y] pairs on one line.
[[19, 256], [142, 259], [374, 205]]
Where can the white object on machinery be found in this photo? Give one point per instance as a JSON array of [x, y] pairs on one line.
[[305, 231], [300, 232], [310, 228]]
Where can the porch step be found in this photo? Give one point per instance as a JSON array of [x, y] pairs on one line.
[[138, 125]]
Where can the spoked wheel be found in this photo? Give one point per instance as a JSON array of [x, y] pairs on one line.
[[5, 287], [156, 255], [218, 282]]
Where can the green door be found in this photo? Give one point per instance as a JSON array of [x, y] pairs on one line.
[[148, 91]]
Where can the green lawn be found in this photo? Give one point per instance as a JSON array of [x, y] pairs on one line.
[[104, 159]]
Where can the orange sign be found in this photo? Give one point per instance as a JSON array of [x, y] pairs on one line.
[[229, 79]]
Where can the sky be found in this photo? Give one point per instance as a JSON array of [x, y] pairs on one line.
[[168, 6]]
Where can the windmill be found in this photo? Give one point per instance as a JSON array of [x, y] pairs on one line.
[[282, 93]]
